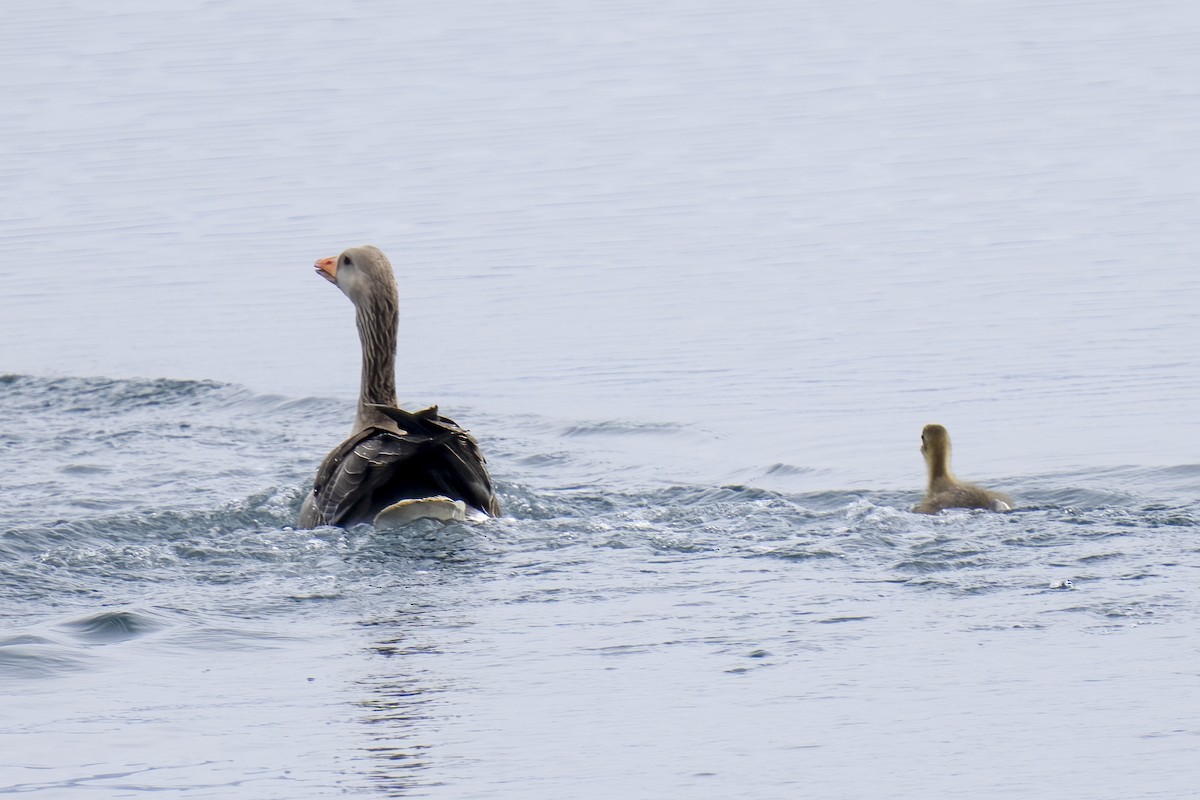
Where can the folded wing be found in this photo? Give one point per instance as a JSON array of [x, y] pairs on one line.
[[376, 468]]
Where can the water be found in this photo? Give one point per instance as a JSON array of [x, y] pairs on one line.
[[695, 276]]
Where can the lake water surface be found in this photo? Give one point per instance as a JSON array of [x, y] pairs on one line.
[[695, 275]]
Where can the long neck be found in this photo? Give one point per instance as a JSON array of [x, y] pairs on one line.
[[938, 463], [377, 323]]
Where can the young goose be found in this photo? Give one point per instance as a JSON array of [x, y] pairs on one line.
[[392, 457], [946, 491]]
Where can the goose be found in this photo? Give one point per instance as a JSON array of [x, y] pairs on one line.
[[946, 491], [396, 466]]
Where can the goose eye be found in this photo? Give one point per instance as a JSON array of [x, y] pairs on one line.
[[346, 261]]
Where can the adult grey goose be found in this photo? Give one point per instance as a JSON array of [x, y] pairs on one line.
[[396, 465]]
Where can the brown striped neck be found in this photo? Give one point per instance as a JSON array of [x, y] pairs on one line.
[[378, 320]]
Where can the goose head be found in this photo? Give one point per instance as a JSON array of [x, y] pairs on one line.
[[362, 273], [365, 276]]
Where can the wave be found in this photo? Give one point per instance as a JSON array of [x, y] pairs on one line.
[[203, 571], [103, 395], [623, 428], [111, 627], [160, 482]]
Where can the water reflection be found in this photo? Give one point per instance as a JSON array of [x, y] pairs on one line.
[[397, 754], [400, 704]]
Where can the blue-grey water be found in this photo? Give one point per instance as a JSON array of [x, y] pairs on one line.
[[695, 274]]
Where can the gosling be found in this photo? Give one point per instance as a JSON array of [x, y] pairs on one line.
[[946, 491]]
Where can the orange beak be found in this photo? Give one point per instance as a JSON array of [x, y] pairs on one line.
[[327, 268]]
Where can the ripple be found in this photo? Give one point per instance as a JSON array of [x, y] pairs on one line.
[[787, 469], [112, 627], [35, 660], [106, 396], [623, 428]]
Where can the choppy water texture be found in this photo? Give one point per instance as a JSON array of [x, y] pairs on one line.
[[695, 275]]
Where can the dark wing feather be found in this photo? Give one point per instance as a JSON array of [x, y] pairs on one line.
[[351, 476], [454, 465], [375, 468]]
